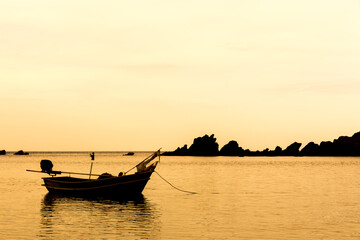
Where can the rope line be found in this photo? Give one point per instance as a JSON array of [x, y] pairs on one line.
[[173, 185]]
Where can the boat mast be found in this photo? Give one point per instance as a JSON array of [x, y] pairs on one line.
[[92, 155]]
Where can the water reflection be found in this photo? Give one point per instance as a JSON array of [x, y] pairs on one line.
[[74, 217]]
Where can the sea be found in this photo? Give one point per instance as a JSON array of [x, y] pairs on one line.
[[187, 198]]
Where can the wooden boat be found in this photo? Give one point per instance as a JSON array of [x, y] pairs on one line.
[[129, 154], [105, 185]]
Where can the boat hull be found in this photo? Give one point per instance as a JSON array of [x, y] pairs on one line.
[[111, 187]]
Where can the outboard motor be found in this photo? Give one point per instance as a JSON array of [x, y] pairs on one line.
[[46, 166]]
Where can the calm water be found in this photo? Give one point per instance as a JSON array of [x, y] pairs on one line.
[[238, 198]]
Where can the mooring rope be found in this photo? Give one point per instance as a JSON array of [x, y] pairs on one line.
[[173, 185]]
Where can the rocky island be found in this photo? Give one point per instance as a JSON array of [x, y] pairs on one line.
[[21, 152], [207, 146]]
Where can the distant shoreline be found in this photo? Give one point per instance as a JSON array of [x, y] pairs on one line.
[[70, 152], [207, 146]]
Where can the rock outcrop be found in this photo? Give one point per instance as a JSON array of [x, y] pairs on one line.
[[207, 146], [311, 149], [21, 152], [202, 146]]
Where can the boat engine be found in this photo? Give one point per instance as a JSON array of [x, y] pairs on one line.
[[46, 166]]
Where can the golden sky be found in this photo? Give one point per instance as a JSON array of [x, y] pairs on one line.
[[140, 75]]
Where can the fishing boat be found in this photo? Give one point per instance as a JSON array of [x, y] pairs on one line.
[[129, 154], [105, 185]]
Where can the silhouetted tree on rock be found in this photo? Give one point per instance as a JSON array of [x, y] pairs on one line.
[[292, 149], [231, 149], [181, 151], [265, 152], [204, 146], [278, 150]]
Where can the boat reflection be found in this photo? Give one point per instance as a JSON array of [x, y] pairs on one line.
[[63, 216]]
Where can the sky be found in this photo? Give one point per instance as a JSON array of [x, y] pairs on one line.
[[138, 75]]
